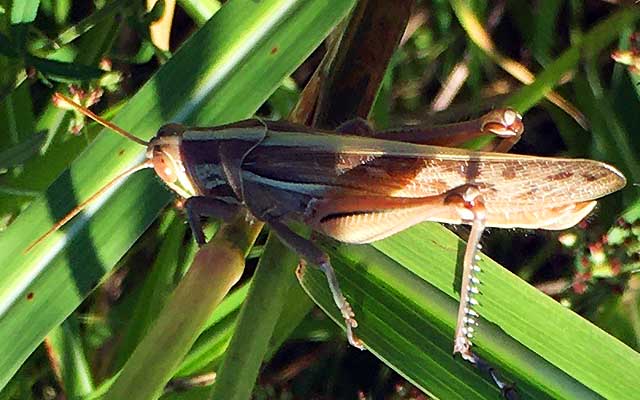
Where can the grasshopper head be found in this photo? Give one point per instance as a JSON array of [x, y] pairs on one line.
[[164, 153]]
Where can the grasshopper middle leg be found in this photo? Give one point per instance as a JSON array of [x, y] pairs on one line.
[[312, 254]]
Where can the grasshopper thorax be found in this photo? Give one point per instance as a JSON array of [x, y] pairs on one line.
[[164, 153]]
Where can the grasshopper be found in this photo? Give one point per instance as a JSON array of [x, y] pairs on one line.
[[358, 186]]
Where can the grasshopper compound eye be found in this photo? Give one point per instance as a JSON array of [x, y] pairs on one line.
[[164, 152], [164, 166]]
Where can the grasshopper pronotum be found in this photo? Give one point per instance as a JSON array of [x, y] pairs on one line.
[[359, 186]]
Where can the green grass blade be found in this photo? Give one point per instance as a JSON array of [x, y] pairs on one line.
[[200, 10], [208, 350], [24, 11], [216, 268], [66, 349], [404, 293], [21, 152], [240, 366], [156, 289]]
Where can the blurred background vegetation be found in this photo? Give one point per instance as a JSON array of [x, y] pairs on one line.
[[455, 61]]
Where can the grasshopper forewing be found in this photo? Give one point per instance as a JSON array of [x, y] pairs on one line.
[[363, 186]]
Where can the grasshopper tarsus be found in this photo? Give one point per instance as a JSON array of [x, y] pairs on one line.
[[502, 122], [507, 389], [315, 256], [342, 303], [507, 126]]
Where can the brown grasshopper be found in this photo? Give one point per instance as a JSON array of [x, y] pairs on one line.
[[359, 186]]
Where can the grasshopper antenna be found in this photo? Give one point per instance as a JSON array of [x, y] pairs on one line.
[[61, 100], [84, 204]]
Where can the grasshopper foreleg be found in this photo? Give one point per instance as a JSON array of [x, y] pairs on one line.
[[201, 206], [314, 255]]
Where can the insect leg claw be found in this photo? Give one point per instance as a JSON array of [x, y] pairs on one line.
[[504, 123], [354, 340], [463, 346], [342, 303]]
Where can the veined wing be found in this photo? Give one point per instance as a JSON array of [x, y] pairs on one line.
[[318, 164]]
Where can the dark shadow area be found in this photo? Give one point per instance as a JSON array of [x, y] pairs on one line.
[[80, 251], [462, 246]]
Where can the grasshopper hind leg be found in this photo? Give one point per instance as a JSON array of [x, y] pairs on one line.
[[314, 255], [466, 320], [468, 200]]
